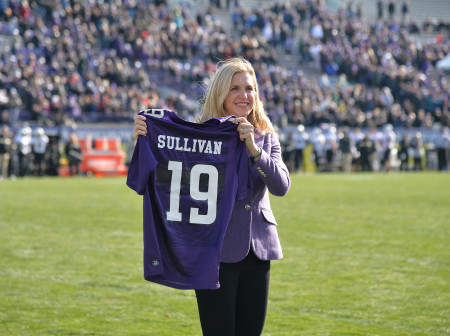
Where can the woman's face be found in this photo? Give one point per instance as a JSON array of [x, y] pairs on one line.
[[241, 95]]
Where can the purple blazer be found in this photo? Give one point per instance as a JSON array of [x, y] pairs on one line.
[[252, 222]]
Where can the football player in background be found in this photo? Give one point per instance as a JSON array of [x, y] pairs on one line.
[[239, 306], [39, 143]]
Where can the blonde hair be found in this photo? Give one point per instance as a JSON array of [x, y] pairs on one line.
[[219, 88]]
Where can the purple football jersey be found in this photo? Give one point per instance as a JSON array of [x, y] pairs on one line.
[[190, 175]]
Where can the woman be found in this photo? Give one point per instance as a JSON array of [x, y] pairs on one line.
[[239, 306]]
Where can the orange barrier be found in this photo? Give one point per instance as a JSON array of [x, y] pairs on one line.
[[106, 159]]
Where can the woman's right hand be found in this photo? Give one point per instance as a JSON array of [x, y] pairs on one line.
[[140, 126]]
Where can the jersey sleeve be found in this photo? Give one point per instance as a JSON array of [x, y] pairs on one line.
[[142, 164]]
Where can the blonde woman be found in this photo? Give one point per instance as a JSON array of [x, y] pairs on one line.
[[239, 306]]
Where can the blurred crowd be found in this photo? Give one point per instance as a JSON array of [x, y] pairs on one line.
[[27, 153], [330, 149], [72, 60], [370, 74], [31, 152], [69, 61]]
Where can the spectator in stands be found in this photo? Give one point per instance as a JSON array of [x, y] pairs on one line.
[[405, 11], [391, 10], [99, 70], [73, 154], [380, 9]]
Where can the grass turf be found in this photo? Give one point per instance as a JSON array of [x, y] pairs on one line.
[[365, 254]]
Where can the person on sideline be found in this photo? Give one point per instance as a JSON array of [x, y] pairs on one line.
[[5, 151], [345, 145], [239, 306], [24, 149], [40, 142], [74, 154], [300, 139]]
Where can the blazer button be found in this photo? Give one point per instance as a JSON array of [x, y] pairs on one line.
[[247, 207]]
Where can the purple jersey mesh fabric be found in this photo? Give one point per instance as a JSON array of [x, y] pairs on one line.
[[190, 175]]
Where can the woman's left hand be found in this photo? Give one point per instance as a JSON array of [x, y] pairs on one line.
[[247, 134]]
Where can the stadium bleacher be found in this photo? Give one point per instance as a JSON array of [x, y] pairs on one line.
[[21, 40], [89, 70]]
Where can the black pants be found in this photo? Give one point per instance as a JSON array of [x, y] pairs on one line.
[[239, 306]]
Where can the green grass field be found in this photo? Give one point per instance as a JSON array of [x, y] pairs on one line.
[[365, 254]]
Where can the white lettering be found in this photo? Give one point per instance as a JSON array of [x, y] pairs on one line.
[[170, 142], [186, 148], [201, 145], [161, 141], [208, 149], [158, 113], [189, 145], [217, 147], [177, 147]]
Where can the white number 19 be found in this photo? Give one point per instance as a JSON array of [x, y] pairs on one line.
[[210, 195]]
